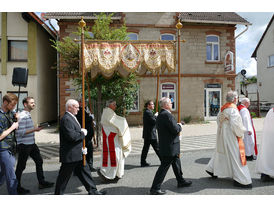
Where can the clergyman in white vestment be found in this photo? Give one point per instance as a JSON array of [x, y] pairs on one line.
[[227, 160], [116, 143], [249, 135], [265, 163]]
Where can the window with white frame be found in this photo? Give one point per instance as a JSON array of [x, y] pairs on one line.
[[17, 50], [169, 37], [271, 61], [168, 90], [133, 36], [212, 48], [135, 106]]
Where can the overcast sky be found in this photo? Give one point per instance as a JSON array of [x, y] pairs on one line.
[[247, 42]]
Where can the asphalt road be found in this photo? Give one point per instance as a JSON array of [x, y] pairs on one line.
[[138, 180]]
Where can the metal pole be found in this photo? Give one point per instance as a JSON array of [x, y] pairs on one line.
[[157, 94], [179, 26], [82, 24]]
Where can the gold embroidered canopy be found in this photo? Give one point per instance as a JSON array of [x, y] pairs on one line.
[[106, 57]]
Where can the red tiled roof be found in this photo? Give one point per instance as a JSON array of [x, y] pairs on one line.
[[212, 17]]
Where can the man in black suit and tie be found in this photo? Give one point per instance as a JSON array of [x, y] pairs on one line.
[[169, 142], [149, 132], [89, 136], [71, 149]]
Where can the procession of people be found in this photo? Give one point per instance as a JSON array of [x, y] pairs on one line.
[[235, 145]]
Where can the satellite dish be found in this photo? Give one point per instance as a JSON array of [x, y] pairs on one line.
[[243, 72]]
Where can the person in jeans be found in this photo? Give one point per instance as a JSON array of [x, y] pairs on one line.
[[27, 147], [8, 142]]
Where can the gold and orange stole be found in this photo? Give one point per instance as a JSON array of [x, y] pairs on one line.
[[240, 140]]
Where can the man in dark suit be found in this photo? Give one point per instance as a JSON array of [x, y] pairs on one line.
[[169, 142], [71, 149], [89, 136], [149, 132]]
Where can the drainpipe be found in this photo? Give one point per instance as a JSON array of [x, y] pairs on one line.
[[58, 73], [242, 32]]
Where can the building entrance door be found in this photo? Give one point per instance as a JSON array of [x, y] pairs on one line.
[[212, 103]]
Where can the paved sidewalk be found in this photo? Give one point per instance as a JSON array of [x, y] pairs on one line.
[[196, 137], [51, 136]]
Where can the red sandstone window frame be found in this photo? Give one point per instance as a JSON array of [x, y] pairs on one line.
[[168, 91], [170, 34], [212, 44], [137, 36]]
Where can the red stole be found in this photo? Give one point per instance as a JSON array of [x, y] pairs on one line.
[[255, 146], [240, 140]]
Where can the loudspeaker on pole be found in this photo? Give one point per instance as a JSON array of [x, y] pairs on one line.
[[20, 76]]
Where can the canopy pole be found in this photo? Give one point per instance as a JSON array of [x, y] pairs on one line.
[[90, 109], [179, 26], [157, 93], [82, 24]]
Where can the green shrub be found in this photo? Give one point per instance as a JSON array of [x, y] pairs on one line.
[[187, 119], [253, 114]]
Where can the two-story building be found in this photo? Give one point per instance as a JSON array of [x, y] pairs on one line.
[[25, 42], [207, 69], [264, 54]]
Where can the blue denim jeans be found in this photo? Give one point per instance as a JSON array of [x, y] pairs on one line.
[[7, 163]]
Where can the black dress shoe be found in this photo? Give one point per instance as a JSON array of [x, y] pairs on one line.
[[237, 184], [185, 183], [249, 158], [45, 184], [93, 169], [145, 164], [266, 178], [22, 191], [96, 192], [157, 192], [102, 177], [212, 175]]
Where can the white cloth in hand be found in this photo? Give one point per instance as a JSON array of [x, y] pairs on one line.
[[180, 125], [180, 133], [84, 131], [156, 114], [84, 151]]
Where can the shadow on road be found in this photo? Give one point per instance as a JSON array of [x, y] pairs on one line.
[[130, 167], [202, 160], [209, 183]]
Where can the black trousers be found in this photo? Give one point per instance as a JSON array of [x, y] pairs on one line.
[[82, 172], [163, 168], [147, 142], [89, 155], [25, 151]]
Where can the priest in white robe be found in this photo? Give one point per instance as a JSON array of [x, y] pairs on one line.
[[229, 157], [250, 134], [265, 163], [116, 143]]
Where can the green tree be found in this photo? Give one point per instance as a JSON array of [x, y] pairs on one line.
[[123, 90]]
